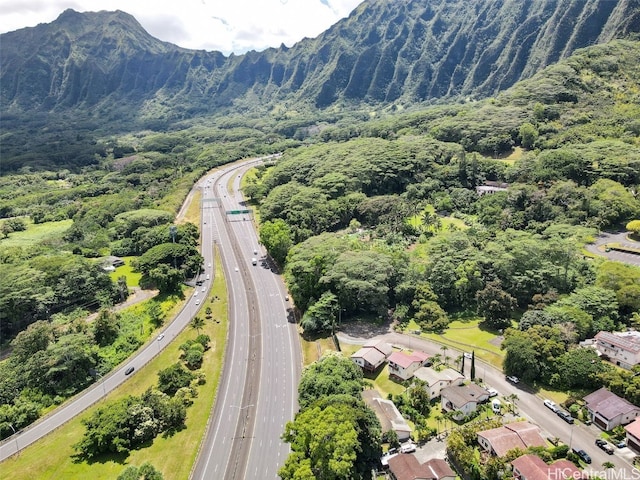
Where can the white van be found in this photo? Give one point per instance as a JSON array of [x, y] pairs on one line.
[[496, 405]]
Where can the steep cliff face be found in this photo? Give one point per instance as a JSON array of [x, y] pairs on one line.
[[385, 51]]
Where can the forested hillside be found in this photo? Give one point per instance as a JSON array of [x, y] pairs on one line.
[[101, 72]]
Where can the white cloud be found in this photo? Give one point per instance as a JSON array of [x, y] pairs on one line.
[[224, 25]]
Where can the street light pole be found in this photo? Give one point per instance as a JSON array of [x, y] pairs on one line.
[[14, 432]]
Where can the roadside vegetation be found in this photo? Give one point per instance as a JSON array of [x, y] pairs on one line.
[[62, 460]]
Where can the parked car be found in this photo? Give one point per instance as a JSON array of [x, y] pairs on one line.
[[408, 447], [621, 444], [551, 405], [492, 392], [566, 416], [584, 456], [603, 445], [513, 379]]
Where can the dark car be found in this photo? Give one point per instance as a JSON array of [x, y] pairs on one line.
[[566, 416], [584, 456], [603, 445], [129, 370]]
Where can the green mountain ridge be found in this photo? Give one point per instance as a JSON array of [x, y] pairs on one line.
[[404, 51]]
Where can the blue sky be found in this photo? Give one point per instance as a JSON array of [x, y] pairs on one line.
[[223, 25]]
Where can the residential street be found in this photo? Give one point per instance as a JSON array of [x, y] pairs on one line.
[[529, 405]]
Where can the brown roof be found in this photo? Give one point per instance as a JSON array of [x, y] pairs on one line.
[[439, 468], [533, 467], [407, 467], [608, 404], [513, 435]]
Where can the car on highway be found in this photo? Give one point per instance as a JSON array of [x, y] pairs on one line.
[[513, 379], [198, 302], [584, 456], [603, 445], [566, 416], [129, 370], [161, 336], [467, 355], [551, 405]]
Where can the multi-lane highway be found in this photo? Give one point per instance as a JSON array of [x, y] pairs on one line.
[[258, 391]]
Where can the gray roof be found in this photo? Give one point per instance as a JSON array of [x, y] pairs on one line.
[[431, 377], [460, 395], [607, 404]]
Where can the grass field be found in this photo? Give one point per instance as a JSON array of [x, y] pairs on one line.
[[50, 458], [36, 233], [466, 335], [133, 278]]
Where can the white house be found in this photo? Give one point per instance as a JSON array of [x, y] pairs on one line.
[[372, 355], [607, 410], [621, 348], [403, 365], [435, 381], [463, 399]]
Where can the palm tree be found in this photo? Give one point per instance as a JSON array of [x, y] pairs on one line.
[[438, 420], [444, 349], [197, 323], [513, 398]]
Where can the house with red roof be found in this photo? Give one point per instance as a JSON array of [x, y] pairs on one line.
[[532, 467], [633, 435], [520, 435], [607, 410], [407, 467], [403, 365]]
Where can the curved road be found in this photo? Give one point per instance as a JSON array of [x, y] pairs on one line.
[[621, 238], [249, 414]]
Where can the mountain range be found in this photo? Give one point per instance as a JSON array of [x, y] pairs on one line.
[[107, 66]]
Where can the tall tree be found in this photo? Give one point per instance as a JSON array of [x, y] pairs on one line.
[[472, 371]]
